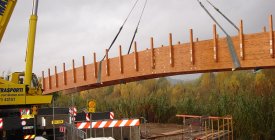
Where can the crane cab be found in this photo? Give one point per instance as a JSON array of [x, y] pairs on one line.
[[18, 78]]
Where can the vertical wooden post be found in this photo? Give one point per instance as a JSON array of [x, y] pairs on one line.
[[218, 129], [191, 48], [95, 66], [64, 74], [84, 68], [74, 76], [264, 29], [50, 81], [232, 136], [136, 56], [271, 37], [56, 76], [215, 43], [212, 127], [152, 54], [120, 60], [107, 63], [43, 80], [171, 50], [205, 127], [223, 128], [241, 40], [228, 128]]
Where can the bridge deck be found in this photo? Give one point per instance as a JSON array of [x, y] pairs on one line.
[[256, 51]]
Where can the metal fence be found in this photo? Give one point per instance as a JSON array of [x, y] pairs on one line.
[[72, 133]]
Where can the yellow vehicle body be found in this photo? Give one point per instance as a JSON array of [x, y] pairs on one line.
[[14, 92], [21, 88]]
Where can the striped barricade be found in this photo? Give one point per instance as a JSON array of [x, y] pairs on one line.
[[112, 115], [108, 124], [29, 137]]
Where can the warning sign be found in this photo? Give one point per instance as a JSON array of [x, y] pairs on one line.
[[92, 104]]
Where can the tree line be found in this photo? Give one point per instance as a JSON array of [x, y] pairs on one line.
[[246, 95]]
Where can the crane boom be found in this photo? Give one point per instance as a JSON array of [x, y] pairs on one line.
[[6, 10], [31, 43]]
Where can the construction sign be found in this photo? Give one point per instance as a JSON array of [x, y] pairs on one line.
[[25, 113], [91, 110], [91, 106]]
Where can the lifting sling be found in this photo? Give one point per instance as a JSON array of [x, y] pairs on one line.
[[120, 29], [231, 48], [137, 28]]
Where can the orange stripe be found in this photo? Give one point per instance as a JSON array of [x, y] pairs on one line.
[[26, 137], [138, 123], [87, 125], [108, 124], [118, 123], [97, 124], [128, 122], [78, 124]]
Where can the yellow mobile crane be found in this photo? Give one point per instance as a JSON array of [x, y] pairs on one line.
[[21, 88], [20, 92]]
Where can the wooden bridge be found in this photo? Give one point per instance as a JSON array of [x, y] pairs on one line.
[[253, 51]]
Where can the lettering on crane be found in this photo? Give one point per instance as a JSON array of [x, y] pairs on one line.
[[3, 5], [11, 89]]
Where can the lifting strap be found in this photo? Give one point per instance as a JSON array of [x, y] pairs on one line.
[[137, 27], [223, 15], [120, 29], [231, 48]]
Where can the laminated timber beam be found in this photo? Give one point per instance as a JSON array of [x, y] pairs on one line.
[[253, 50]]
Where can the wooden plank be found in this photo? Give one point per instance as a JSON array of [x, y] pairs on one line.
[[215, 42], [95, 66], [152, 54], [50, 81], [271, 36], [191, 47], [136, 56], [84, 68], [64, 74], [171, 50], [120, 60], [56, 77], [241, 41]]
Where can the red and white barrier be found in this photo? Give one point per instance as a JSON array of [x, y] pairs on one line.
[[108, 124], [112, 115], [87, 117], [1, 123], [73, 111]]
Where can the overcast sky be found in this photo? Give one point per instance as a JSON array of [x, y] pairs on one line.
[[70, 29]]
